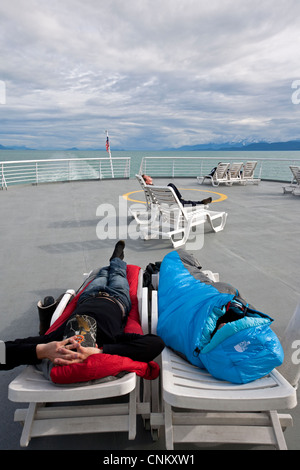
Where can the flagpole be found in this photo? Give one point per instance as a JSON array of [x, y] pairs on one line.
[[109, 152]]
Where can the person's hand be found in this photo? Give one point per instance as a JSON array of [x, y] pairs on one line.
[[82, 353], [64, 352]]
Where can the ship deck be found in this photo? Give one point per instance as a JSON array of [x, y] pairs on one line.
[[49, 238]]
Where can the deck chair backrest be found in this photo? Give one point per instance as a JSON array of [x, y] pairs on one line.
[[140, 180], [164, 195], [144, 187], [235, 169], [296, 173], [167, 202], [290, 368], [221, 171], [248, 170]]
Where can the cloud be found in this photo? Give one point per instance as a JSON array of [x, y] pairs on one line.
[[156, 74]]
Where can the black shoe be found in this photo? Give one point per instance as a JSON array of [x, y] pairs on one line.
[[49, 300], [46, 308], [119, 250], [206, 201]]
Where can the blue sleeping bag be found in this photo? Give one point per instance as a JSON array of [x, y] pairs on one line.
[[189, 307]]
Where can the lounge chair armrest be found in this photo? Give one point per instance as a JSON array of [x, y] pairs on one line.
[[215, 277], [144, 317], [155, 280], [154, 303], [62, 305], [154, 312], [142, 296]]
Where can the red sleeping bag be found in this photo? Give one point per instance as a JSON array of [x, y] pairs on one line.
[[98, 366]]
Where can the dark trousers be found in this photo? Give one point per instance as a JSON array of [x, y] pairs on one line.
[[183, 201]]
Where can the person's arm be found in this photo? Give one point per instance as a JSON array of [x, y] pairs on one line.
[[137, 347], [142, 348], [31, 351], [17, 354]]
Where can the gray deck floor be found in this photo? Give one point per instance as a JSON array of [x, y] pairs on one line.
[[48, 239]]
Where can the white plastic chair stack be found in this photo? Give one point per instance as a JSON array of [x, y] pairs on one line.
[[220, 175]]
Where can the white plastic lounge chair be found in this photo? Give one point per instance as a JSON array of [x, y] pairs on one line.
[[142, 216], [294, 186], [175, 219], [248, 173], [219, 176], [234, 174], [197, 408], [31, 387]]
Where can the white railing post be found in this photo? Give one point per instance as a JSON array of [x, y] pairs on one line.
[[36, 173], [3, 182], [127, 169], [260, 170], [141, 170]]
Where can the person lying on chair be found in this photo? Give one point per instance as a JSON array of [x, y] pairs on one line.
[[148, 180], [207, 322], [100, 317]]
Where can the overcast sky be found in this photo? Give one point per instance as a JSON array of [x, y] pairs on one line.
[[155, 73]]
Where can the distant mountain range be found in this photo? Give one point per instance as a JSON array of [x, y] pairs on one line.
[[227, 146], [14, 147], [240, 146], [23, 147]]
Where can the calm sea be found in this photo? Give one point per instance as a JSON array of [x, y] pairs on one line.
[[282, 158]]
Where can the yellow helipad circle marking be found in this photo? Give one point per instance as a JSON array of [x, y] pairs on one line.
[[221, 198]]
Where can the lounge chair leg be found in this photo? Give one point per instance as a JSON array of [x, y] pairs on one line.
[[219, 227], [169, 427], [26, 433], [281, 444], [132, 415], [178, 243]]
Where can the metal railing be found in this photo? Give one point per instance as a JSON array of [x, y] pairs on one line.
[[273, 169], [59, 170], [54, 170]]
